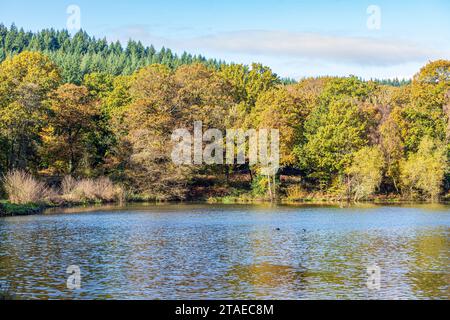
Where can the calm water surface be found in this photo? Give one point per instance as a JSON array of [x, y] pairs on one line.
[[224, 252]]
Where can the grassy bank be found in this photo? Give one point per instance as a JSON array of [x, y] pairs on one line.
[[320, 198], [10, 209]]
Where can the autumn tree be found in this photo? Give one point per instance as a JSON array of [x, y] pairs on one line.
[[247, 83], [25, 83], [163, 101], [148, 124], [67, 143], [392, 146], [202, 95], [425, 114], [365, 172], [279, 108], [99, 84]]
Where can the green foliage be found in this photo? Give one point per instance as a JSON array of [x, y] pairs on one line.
[[332, 137], [365, 172], [99, 84], [10, 209], [393, 82], [263, 186], [249, 83], [425, 114], [424, 170]]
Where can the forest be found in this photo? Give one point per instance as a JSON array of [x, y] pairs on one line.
[[79, 116]]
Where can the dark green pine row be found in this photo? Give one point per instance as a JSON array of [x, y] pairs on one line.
[[393, 82], [82, 54]]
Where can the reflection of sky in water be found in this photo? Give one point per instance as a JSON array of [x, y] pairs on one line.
[[213, 252]]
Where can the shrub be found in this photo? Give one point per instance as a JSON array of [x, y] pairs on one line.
[[296, 193], [22, 188], [90, 190]]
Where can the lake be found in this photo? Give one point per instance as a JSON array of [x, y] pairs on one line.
[[190, 251]]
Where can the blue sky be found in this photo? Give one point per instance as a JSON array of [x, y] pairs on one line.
[[295, 38]]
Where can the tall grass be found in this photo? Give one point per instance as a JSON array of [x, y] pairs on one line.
[[22, 188], [90, 190]]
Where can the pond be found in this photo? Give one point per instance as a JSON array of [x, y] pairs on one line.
[[190, 251]]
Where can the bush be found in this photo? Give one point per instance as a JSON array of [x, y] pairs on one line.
[[90, 190], [22, 188], [296, 193]]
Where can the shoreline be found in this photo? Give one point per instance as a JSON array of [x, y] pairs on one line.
[[8, 209]]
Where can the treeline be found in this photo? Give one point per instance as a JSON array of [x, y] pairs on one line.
[[393, 82], [82, 54], [340, 137]]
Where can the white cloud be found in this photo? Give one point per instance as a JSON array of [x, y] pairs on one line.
[[338, 49], [297, 54]]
